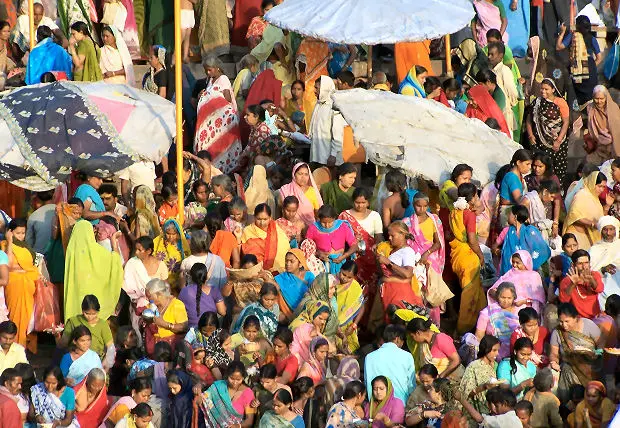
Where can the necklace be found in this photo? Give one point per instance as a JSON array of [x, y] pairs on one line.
[[579, 292], [233, 396]]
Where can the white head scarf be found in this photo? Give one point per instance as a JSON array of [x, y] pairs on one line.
[[125, 56], [608, 220]]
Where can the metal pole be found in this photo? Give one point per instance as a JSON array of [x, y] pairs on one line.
[[178, 83], [369, 66], [449, 71], [33, 36]]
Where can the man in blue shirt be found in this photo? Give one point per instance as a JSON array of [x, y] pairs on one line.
[[392, 362]]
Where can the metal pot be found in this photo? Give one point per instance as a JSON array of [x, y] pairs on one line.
[[148, 314]]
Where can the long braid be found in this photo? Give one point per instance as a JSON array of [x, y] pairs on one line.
[[198, 273]]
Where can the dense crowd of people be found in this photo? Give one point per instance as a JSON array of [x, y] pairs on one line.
[[297, 285]]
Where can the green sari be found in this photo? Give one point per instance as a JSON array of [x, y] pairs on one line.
[[160, 29], [271, 420], [213, 32], [333, 195], [91, 71]]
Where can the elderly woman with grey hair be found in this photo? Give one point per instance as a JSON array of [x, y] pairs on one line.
[[91, 399], [217, 127], [500, 319], [169, 322]]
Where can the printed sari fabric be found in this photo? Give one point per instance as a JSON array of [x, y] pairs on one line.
[[420, 242], [501, 324], [90, 269], [269, 246], [145, 219], [130, 32], [213, 32], [466, 266], [350, 298], [49, 406], [366, 262], [217, 126], [217, 406], [293, 289], [271, 420], [268, 319], [19, 292], [333, 195], [547, 120], [580, 364], [488, 16], [584, 205], [171, 254]]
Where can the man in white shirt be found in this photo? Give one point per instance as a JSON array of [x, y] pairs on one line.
[[505, 80], [20, 36], [109, 196], [11, 353], [140, 173]]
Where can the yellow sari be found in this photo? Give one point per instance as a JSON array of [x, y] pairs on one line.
[[585, 205], [19, 292], [466, 266], [350, 299], [414, 347], [257, 238], [172, 255]]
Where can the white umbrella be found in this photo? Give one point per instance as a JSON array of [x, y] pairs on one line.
[[372, 22], [422, 137]]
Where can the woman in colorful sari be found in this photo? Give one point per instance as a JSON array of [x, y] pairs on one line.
[[603, 119], [350, 299], [90, 269], [482, 106], [367, 227], [23, 277], [91, 399], [282, 415], [334, 239], [213, 31], [574, 345], [512, 187], [413, 84], [322, 288], [547, 126], [434, 348], [469, 59], [518, 370], [115, 60], [596, 410], [428, 241], [294, 282], [539, 207], [305, 190], [170, 322], [140, 392], [478, 375], [258, 190], [500, 319], [338, 193], [217, 125], [345, 413], [266, 310], [80, 359], [227, 402], [384, 409], [408, 54], [315, 366], [265, 240], [85, 54], [311, 323], [585, 210], [527, 282], [348, 371], [490, 14], [144, 221], [529, 327], [398, 262], [46, 56], [53, 401], [467, 256], [311, 61], [171, 247]]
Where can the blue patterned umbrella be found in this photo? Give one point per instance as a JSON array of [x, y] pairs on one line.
[[49, 130]]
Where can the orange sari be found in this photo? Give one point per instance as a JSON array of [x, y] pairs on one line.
[[315, 55], [408, 54], [269, 247], [223, 245], [19, 292]]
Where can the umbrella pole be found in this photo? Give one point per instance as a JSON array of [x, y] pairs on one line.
[[369, 66], [178, 83], [449, 71], [33, 36]]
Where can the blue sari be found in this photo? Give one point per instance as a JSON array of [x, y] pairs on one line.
[[530, 240], [292, 288], [411, 86], [338, 61], [217, 407], [85, 192], [47, 56], [78, 369], [409, 210]]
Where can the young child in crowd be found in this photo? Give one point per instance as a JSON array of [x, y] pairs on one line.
[[289, 222], [545, 403], [198, 367], [169, 208], [502, 403], [524, 410]]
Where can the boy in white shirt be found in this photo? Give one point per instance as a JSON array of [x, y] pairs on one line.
[[502, 402]]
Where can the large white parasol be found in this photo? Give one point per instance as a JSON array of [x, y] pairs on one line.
[[422, 137], [372, 22]]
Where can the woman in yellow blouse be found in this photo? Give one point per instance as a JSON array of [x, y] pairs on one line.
[[170, 321]]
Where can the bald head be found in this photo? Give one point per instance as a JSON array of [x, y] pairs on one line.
[[379, 77], [39, 12]]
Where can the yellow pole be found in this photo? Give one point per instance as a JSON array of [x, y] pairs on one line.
[[178, 83], [449, 71], [33, 36]]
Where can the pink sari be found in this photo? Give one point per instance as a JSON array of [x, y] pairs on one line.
[[528, 283], [488, 198], [420, 244], [130, 33], [487, 18], [367, 262], [305, 210]]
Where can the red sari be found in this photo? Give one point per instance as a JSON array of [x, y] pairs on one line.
[[367, 262], [93, 415], [264, 87], [486, 107], [245, 10]]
